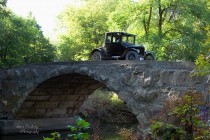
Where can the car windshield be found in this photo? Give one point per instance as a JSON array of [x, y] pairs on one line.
[[129, 39]]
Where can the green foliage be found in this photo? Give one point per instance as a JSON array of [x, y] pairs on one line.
[[54, 136], [22, 41], [78, 132], [173, 29], [180, 119], [203, 60], [167, 131], [203, 65], [102, 101], [84, 29], [3, 3]]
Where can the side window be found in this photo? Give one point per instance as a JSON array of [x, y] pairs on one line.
[[114, 39], [108, 39], [130, 40], [124, 39]]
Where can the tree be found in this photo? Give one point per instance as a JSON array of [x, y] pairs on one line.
[[3, 3], [21, 40], [203, 61], [84, 27], [172, 29]]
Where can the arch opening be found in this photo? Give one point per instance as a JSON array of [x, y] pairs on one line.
[[105, 105], [57, 97]]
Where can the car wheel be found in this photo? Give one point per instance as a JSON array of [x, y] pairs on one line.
[[149, 57], [96, 56], [131, 55]]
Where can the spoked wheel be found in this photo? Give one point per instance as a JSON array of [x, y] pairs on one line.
[[131, 55], [149, 57], [96, 56]]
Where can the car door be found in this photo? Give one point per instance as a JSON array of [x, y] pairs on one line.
[[113, 44], [115, 47], [108, 43]]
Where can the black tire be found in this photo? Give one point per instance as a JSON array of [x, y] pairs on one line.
[[131, 55], [96, 56], [149, 57]]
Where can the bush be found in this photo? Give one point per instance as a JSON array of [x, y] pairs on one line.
[[78, 132], [180, 119]]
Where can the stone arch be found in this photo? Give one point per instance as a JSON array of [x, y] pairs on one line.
[[60, 96]]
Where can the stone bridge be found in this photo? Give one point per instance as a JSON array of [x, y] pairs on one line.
[[41, 92]]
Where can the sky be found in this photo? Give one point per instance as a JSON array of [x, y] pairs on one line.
[[44, 11]]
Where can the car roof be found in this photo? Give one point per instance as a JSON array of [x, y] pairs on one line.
[[122, 33]]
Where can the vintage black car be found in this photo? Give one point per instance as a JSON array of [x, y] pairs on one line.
[[121, 46]]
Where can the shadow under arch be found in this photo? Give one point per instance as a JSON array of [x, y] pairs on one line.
[[60, 96]]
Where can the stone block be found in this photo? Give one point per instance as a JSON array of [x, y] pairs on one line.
[[38, 98], [9, 74], [30, 74], [39, 112], [30, 113], [73, 97], [46, 105], [59, 98], [22, 112], [9, 84], [142, 119], [27, 105], [66, 104], [39, 92], [56, 111]]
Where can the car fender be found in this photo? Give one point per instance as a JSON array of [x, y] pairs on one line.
[[149, 53], [101, 50]]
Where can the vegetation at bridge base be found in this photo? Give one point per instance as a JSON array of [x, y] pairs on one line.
[[78, 132], [106, 106], [180, 119], [98, 114]]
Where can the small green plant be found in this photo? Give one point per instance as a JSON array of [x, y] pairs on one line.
[[55, 136], [79, 132]]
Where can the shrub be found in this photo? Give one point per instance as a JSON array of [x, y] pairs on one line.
[[79, 132], [180, 119]]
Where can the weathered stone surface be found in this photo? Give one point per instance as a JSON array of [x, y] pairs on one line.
[[38, 98], [58, 89], [34, 126]]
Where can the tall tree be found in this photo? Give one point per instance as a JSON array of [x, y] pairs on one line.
[[22, 41], [176, 27], [84, 27]]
